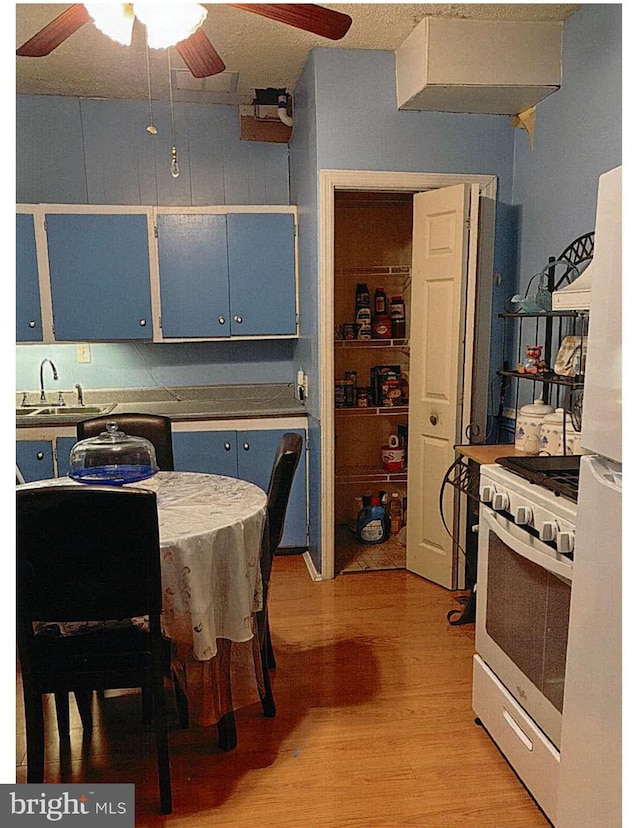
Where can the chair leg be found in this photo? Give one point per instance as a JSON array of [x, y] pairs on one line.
[[271, 659], [182, 704], [83, 703], [267, 700], [162, 743], [227, 733], [62, 714], [34, 719]]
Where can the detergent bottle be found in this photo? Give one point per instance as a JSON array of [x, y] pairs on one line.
[[373, 522]]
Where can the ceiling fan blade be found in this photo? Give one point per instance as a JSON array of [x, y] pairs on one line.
[[201, 58], [307, 16], [56, 32]]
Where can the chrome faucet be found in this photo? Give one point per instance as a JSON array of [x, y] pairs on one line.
[[43, 397]]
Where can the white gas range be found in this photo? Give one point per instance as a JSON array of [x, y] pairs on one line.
[[525, 568]]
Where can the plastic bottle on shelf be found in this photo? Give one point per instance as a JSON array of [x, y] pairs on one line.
[[395, 513], [380, 302], [373, 523], [398, 325]]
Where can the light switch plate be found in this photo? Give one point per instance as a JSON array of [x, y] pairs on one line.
[[83, 353]]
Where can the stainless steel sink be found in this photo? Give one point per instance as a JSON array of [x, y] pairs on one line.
[[64, 410]]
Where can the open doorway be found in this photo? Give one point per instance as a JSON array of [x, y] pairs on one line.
[[361, 192]]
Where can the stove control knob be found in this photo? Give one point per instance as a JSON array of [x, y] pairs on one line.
[[500, 501], [564, 542], [523, 515], [549, 530], [486, 492]]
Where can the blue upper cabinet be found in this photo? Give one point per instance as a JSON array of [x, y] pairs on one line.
[[194, 275], [28, 309], [226, 274], [99, 275], [262, 286]]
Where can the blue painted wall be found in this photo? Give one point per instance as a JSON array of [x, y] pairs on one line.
[[84, 151], [346, 118], [578, 136]]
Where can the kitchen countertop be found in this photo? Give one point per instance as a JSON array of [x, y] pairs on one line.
[[219, 402], [489, 453]]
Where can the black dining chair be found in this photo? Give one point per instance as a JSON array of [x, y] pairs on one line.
[[153, 427], [89, 554], [284, 468]]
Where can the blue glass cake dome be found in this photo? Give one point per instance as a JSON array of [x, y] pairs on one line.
[[112, 458]]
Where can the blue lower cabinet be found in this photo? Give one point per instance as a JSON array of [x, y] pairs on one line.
[[249, 456], [35, 459], [63, 450], [211, 452]]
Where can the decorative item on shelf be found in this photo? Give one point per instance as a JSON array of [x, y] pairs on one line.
[[532, 363], [572, 357], [528, 424], [532, 302]]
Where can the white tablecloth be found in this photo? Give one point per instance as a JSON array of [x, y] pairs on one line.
[[210, 532]]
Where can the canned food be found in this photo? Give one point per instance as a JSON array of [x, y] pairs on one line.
[[349, 330], [344, 394], [351, 375], [362, 397]]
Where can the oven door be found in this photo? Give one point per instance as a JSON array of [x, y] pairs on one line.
[[522, 617]]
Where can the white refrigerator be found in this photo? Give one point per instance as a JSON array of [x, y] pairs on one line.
[[590, 782]]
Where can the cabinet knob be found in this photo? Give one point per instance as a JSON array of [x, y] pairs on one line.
[[245, 446], [143, 323], [227, 446], [433, 420], [237, 319], [32, 323], [40, 455], [221, 320]]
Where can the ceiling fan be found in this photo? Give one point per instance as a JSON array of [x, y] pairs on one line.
[[193, 46]]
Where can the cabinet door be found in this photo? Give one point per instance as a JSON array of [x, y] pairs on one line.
[[63, 449], [99, 270], [194, 276], [262, 289], [212, 452], [35, 459], [28, 313], [256, 450]]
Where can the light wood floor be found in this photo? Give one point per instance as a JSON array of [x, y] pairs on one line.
[[374, 725]]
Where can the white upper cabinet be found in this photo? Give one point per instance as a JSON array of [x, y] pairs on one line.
[[478, 66]]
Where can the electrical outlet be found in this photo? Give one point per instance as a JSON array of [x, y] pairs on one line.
[[83, 353]]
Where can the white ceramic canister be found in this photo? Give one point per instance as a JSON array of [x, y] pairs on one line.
[[528, 425], [555, 429]]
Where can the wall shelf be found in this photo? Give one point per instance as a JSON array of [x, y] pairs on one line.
[[372, 411], [365, 474]]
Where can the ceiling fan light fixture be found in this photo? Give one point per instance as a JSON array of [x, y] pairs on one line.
[[169, 24], [113, 19]]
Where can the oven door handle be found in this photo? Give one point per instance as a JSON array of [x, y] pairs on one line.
[[541, 559]]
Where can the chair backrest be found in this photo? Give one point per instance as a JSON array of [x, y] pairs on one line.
[[86, 553], [153, 427], [284, 468]]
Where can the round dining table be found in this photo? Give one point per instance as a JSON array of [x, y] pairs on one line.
[[211, 529]]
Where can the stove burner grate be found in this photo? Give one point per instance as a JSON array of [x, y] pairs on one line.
[[557, 474]]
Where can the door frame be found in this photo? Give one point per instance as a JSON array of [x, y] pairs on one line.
[[329, 182]]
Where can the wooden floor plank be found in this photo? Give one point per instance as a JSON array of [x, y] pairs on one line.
[[374, 727]]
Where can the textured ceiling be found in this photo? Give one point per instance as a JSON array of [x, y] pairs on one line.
[[258, 53]]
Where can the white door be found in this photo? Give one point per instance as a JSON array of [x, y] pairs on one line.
[[438, 297]]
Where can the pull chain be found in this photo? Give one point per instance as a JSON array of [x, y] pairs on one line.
[[151, 128], [175, 169]]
